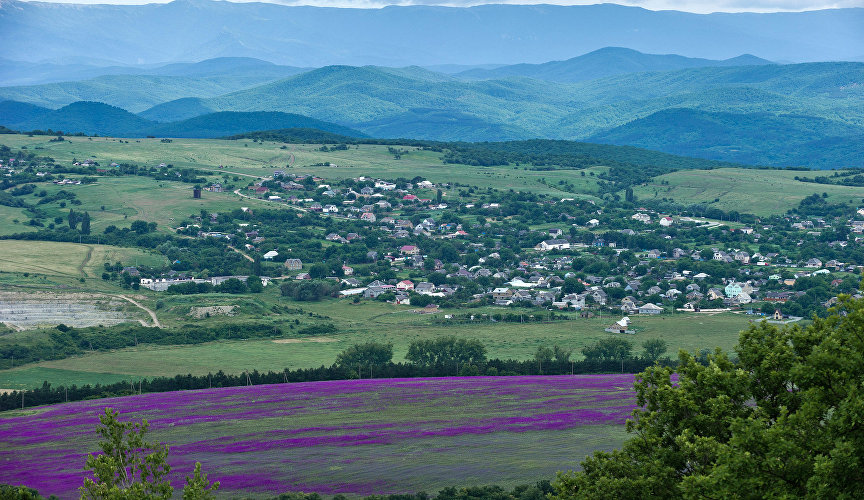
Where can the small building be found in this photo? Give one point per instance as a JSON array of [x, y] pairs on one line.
[[650, 308]]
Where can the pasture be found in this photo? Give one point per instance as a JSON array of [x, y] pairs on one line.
[[352, 437], [760, 192]]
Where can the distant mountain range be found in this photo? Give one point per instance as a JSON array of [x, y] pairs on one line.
[[186, 30], [102, 119], [752, 139], [241, 68], [609, 61], [759, 113]]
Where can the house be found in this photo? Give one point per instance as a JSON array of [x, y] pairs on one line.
[[650, 308], [733, 289], [666, 221], [599, 296], [409, 250], [555, 244], [620, 326], [653, 254], [347, 270], [368, 217], [500, 294], [405, 286], [293, 264], [715, 293], [813, 263]]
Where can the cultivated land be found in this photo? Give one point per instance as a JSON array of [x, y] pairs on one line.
[[760, 192], [369, 436]]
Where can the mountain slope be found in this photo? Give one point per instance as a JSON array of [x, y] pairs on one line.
[[398, 36], [756, 138], [132, 92], [102, 119], [18, 112], [232, 123], [89, 118], [609, 61]]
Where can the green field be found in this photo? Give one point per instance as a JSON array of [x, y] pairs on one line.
[[760, 192], [67, 260], [257, 160], [356, 324]]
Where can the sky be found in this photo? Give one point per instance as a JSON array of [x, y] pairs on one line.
[[697, 6]]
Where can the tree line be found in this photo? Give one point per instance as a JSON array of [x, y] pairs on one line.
[[442, 357]]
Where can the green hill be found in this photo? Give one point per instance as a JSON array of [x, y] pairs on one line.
[[227, 123], [102, 119], [12, 112], [606, 62], [755, 138], [132, 92], [178, 109], [89, 118]]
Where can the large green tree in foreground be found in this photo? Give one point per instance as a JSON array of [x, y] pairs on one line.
[[783, 420]]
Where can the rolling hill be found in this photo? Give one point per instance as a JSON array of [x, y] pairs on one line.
[[134, 92], [103, 119], [755, 138], [609, 61]]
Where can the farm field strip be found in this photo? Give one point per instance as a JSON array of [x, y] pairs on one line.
[[341, 437]]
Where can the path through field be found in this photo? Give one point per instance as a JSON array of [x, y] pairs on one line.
[[145, 308]]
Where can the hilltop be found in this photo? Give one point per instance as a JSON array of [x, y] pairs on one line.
[[102, 119], [609, 61]]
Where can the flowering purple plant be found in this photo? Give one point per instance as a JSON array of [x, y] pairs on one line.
[[359, 437]]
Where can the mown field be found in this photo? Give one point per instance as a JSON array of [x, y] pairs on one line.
[[352, 437], [67, 260], [760, 192]]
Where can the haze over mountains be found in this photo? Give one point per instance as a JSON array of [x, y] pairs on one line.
[[192, 30], [704, 93]]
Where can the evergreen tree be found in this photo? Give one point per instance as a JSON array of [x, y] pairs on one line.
[[85, 223]]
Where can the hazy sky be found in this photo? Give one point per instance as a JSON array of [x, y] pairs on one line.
[[700, 6]]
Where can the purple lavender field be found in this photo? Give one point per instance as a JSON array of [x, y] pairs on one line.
[[353, 437]]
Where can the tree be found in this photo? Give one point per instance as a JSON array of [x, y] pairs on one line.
[[654, 348], [129, 467], [72, 218], [368, 354], [85, 223], [562, 354], [783, 420], [446, 350], [608, 349], [319, 271], [198, 487], [254, 284], [140, 227], [572, 285]]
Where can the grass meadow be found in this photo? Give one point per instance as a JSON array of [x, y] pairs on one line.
[[356, 323], [356, 437], [760, 192]]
